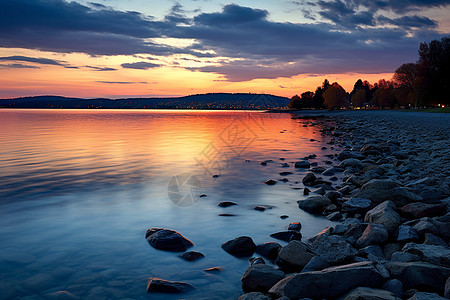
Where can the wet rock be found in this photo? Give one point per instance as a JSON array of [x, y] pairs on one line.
[[328, 283], [240, 247], [335, 216], [296, 226], [260, 278], [317, 169], [284, 216], [431, 239], [287, 236], [294, 256], [306, 191], [256, 260], [447, 289], [369, 294], [269, 250], [284, 165], [192, 255], [352, 163], [166, 239], [259, 208], [333, 249], [384, 214], [346, 154], [406, 233], [375, 234], [419, 275], [395, 286], [426, 296], [333, 195], [329, 172], [433, 254], [254, 296], [316, 264], [380, 190], [226, 203], [356, 205], [302, 164], [285, 173], [270, 182], [419, 210], [156, 285], [309, 179], [314, 204]]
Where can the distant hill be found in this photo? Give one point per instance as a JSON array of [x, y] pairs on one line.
[[203, 101]]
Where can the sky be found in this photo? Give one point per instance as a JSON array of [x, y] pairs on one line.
[[143, 48]]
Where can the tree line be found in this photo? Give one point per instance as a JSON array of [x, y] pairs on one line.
[[425, 83]]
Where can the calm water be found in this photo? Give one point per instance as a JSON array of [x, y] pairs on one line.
[[78, 189]]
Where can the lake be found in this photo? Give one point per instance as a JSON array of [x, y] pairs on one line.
[[79, 189]]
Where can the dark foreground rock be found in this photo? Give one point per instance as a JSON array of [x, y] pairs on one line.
[[314, 204], [166, 239], [260, 278], [156, 285], [254, 296], [269, 250], [192, 255], [240, 247], [328, 283], [369, 294]]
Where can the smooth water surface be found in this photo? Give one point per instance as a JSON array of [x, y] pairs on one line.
[[79, 188]]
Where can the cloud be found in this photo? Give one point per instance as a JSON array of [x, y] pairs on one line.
[[100, 69], [142, 65], [122, 82], [42, 61], [17, 66]]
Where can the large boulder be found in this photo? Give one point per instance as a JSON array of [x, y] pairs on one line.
[[269, 250], [419, 275], [333, 249], [156, 285], [356, 205], [302, 164], [328, 283], [351, 163], [375, 234], [433, 254], [260, 278], [426, 296], [314, 204], [294, 256], [406, 234], [309, 179], [166, 239], [384, 213], [240, 247], [419, 210], [369, 294], [380, 190], [346, 154]]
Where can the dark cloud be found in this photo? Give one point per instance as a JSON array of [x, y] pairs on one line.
[[142, 65], [409, 21], [101, 69], [17, 66], [42, 61], [399, 6], [122, 82], [232, 14]]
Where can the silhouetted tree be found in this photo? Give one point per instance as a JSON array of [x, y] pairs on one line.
[[407, 76], [295, 102], [359, 97], [335, 96]]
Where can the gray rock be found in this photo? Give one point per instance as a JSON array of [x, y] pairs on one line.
[[333, 195], [287, 236], [419, 275], [404, 257], [297, 226], [303, 164], [260, 278], [374, 250], [353, 163], [192, 255], [424, 226], [447, 288], [156, 285], [380, 190], [390, 248], [355, 232], [329, 172], [335, 216], [294, 256], [316, 264], [418, 210], [394, 286], [240, 246], [226, 203], [328, 283], [426, 296], [369, 294], [314, 204], [269, 250], [384, 214], [375, 234], [350, 154], [433, 254], [431, 239], [166, 239], [309, 179], [406, 233], [333, 249], [356, 205], [254, 296]]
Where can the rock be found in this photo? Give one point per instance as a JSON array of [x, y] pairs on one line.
[[430, 195], [254, 296], [297, 226], [259, 208], [156, 285], [294, 256], [406, 233], [39, 282], [287, 236], [419, 210], [354, 232], [166, 239], [226, 204], [350, 154], [213, 269], [352, 163], [269, 250], [390, 248], [284, 217], [192, 255], [380, 190], [404, 257], [329, 172], [369, 294], [394, 286], [240, 246], [419, 275], [270, 182], [400, 155], [316, 264], [431, 239], [356, 205], [314, 204], [385, 214], [317, 169], [433, 254], [303, 164], [306, 191], [333, 195], [333, 249], [256, 260], [309, 179], [374, 250], [447, 288], [328, 283], [285, 173], [426, 296], [335, 216], [423, 226], [260, 278], [284, 165], [375, 234]]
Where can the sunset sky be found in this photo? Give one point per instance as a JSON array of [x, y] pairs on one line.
[[123, 48]]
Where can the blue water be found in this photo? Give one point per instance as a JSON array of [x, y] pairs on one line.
[[79, 188]]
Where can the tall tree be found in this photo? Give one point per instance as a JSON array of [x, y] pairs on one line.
[[335, 96], [407, 76]]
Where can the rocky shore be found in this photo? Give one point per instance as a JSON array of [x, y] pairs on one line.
[[388, 185]]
